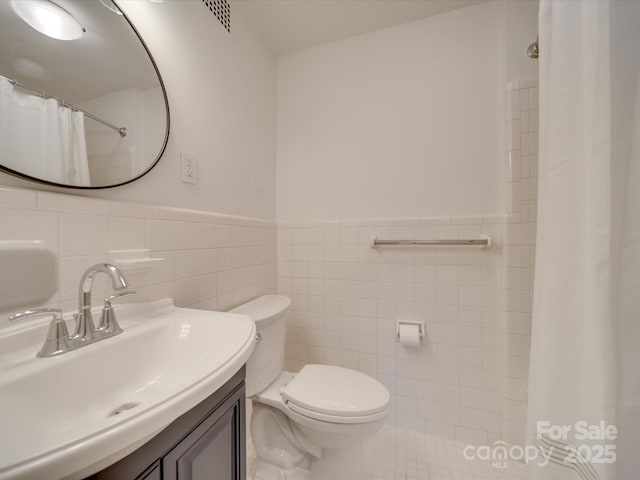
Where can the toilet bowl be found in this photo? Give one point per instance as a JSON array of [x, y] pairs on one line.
[[311, 424]]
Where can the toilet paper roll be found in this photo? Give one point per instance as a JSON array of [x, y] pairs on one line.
[[409, 335]]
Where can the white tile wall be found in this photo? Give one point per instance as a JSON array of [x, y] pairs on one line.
[[522, 164], [211, 261], [346, 297], [522, 168]]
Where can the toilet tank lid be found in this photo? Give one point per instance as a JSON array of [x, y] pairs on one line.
[[264, 310]]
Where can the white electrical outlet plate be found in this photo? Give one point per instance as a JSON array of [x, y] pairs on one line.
[[188, 169]]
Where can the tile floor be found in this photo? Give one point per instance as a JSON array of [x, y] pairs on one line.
[[396, 454]]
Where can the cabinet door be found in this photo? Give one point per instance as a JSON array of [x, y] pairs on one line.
[[153, 473], [213, 451]]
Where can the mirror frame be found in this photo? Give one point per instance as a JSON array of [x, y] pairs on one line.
[[143, 173]]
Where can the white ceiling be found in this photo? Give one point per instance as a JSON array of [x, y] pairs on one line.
[[290, 25]]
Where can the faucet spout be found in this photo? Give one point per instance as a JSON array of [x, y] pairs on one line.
[[84, 323], [86, 282]]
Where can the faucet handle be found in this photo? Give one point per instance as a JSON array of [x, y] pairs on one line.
[[108, 323], [57, 340], [37, 312], [110, 298]]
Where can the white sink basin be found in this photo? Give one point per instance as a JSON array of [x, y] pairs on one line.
[[57, 414]]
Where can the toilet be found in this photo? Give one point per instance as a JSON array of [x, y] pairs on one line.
[[310, 424]]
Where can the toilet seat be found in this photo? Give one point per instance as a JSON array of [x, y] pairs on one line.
[[323, 417], [336, 395]]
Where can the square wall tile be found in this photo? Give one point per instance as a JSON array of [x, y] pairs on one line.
[[127, 233], [83, 234]]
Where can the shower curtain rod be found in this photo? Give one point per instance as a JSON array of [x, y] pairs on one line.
[[121, 130]]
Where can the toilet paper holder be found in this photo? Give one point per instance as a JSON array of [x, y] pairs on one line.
[[419, 323]]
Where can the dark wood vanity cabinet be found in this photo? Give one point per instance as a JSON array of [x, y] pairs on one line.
[[206, 443]]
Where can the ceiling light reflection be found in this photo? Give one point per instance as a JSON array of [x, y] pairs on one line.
[[48, 18]]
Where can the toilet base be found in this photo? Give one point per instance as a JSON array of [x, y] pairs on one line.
[[265, 471], [339, 464]]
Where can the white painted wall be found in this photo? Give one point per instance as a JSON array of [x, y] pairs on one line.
[[521, 29], [405, 121], [221, 91]]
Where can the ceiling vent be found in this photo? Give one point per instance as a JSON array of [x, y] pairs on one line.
[[222, 10]]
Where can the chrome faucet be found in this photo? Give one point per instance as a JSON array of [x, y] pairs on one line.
[[58, 340], [85, 329]]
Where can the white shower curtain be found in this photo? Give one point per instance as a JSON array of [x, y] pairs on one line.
[[41, 139], [585, 358]]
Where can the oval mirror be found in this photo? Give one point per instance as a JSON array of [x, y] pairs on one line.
[[82, 103]]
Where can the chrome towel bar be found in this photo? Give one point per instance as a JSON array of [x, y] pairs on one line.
[[481, 242]]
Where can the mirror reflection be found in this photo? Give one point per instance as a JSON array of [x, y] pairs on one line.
[[81, 101]]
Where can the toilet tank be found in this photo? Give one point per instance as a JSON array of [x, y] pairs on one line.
[[269, 312]]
